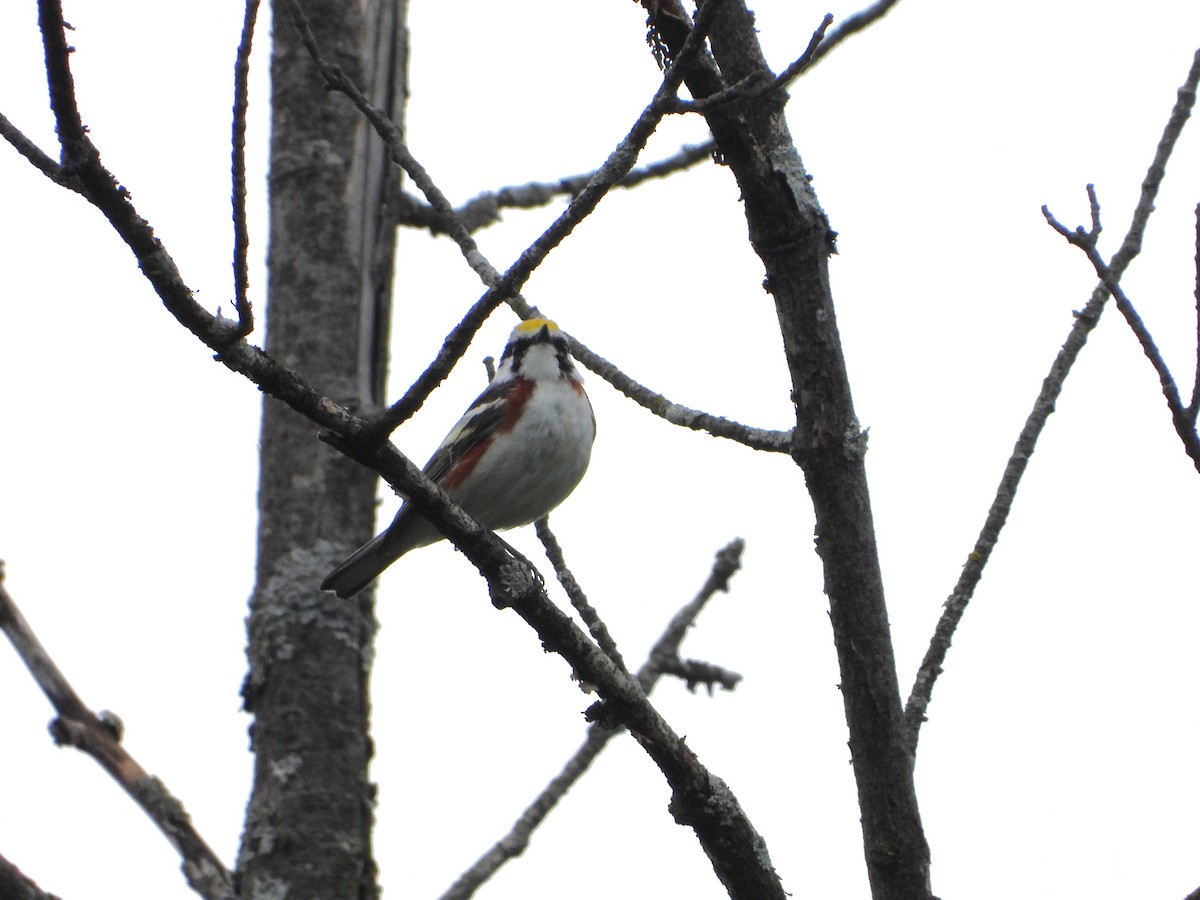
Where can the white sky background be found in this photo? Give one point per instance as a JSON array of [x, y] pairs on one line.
[[1060, 755]]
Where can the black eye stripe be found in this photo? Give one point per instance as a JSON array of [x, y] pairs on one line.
[[518, 354], [516, 350], [565, 365]]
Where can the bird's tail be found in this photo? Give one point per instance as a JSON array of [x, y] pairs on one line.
[[363, 567]]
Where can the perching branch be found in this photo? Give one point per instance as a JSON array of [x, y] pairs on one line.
[[662, 658], [700, 799], [99, 737], [1085, 321]]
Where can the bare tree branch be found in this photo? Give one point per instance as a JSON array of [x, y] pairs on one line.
[[678, 414], [99, 737], [505, 287], [595, 625], [792, 237], [500, 287], [760, 84], [852, 25], [16, 885], [1194, 406], [241, 237], [480, 212], [1184, 422], [663, 656], [72, 136], [34, 154], [696, 672], [92, 180], [1085, 321], [700, 799]]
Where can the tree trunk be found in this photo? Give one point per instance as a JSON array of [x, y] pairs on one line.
[[308, 823], [790, 234]]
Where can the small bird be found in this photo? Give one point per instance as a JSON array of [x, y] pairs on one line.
[[516, 454]]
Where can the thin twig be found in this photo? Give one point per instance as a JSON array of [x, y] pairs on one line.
[[678, 414], [1085, 321], [505, 287], [822, 43], [1086, 241], [660, 659], [484, 210], [241, 237], [1184, 102], [696, 672], [392, 135], [852, 26], [751, 86], [34, 154], [1194, 406], [98, 737], [595, 625], [1181, 417]]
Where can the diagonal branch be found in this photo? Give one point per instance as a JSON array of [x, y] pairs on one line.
[[1085, 321], [792, 237], [759, 85], [1194, 406], [700, 799], [677, 413], [502, 288], [660, 661], [595, 625], [16, 885], [34, 154], [99, 737], [1185, 425], [852, 25]]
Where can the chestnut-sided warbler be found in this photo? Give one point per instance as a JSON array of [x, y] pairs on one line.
[[516, 453]]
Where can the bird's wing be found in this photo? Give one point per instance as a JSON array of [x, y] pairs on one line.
[[477, 424], [409, 529]]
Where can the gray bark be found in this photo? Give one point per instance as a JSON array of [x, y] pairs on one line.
[[309, 820], [792, 237]]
